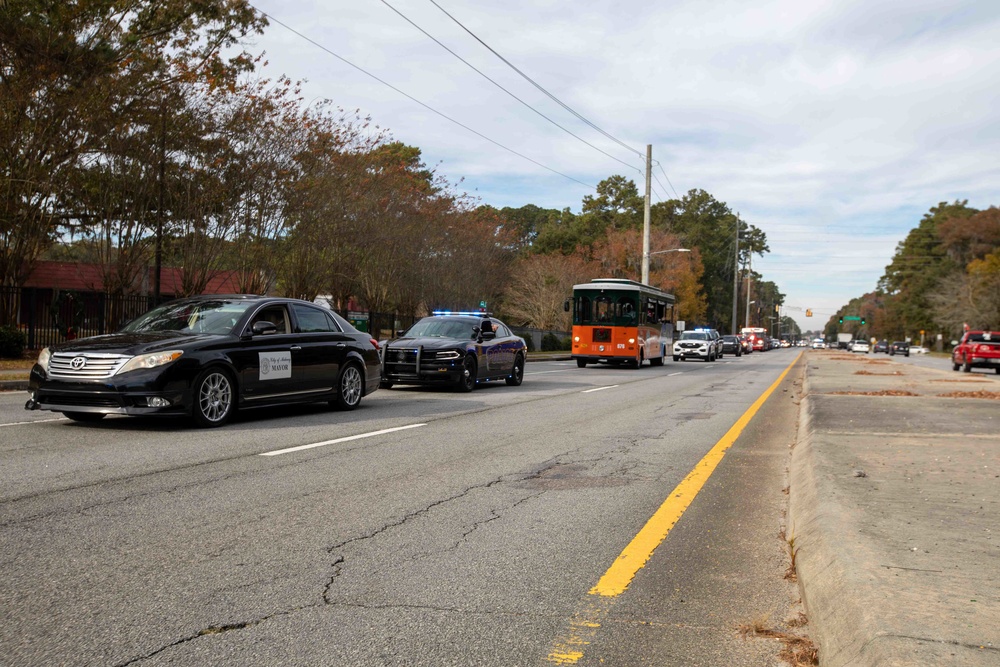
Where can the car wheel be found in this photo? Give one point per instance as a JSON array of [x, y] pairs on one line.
[[350, 388], [213, 398], [581, 363], [656, 361], [907, 354], [467, 381], [676, 358], [955, 365], [516, 376], [85, 416], [385, 384], [967, 366]]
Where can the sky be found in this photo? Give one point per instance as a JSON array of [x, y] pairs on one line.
[[832, 125]]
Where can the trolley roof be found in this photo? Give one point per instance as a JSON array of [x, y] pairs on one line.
[[624, 285]]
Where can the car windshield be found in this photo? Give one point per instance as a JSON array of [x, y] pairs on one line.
[[730, 339], [694, 335], [191, 317], [440, 327]]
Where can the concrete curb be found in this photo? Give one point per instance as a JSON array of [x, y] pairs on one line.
[[840, 623]]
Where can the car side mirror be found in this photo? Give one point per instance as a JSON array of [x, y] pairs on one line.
[[487, 335], [566, 305], [264, 328]]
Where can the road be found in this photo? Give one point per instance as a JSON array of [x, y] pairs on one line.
[[425, 528]]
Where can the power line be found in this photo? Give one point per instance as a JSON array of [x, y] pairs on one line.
[[423, 104], [536, 84], [482, 74]]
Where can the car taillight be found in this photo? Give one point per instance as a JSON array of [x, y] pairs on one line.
[[374, 342]]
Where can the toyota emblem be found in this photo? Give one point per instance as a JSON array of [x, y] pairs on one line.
[[78, 363]]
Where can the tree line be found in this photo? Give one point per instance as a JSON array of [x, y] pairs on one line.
[[944, 276], [137, 133]]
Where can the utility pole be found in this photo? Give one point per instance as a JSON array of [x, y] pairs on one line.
[[736, 275], [749, 274], [645, 216], [158, 252]]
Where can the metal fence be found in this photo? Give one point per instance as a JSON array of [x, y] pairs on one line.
[[48, 316]]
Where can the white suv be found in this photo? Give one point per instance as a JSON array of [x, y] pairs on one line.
[[696, 345]]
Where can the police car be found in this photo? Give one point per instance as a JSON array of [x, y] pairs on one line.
[[696, 344], [457, 349]]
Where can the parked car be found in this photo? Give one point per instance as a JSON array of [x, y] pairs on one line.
[[881, 346], [860, 346], [977, 349], [731, 345], [208, 357], [456, 349], [697, 344], [918, 349], [899, 347]]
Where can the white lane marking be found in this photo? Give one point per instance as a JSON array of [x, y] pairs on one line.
[[587, 391], [338, 440], [677, 373], [543, 372], [37, 421]]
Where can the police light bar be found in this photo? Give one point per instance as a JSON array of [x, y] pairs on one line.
[[477, 313]]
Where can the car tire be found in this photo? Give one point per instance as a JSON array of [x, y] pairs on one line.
[[467, 381], [350, 387], [955, 365], [966, 367], [676, 358], [581, 363], [656, 361], [385, 384], [907, 354], [214, 398], [85, 417], [516, 376]]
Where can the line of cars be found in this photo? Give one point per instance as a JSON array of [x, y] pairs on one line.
[[207, 357], [709, 345]]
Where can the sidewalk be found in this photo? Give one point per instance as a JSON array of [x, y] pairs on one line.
[[894, 512]]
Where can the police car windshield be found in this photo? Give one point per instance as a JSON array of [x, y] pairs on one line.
[[694, 335], [441, 327], [208, 317]]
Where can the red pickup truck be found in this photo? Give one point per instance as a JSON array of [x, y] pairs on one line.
[[977, 349]]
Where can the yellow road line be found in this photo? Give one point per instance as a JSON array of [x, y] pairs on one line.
[[583, 626], [640, 549]]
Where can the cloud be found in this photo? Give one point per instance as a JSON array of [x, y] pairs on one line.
[[832, 125]]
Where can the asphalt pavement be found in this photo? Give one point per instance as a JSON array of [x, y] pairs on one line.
[[894, 502], [894, 499]]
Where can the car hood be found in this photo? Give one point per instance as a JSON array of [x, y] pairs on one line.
[[133, 343], [428, 343]]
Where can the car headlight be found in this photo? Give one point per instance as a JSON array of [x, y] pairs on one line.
[[43, 359], [448, 354], [144, 361]]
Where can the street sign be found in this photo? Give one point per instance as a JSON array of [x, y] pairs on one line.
[[852, 317]]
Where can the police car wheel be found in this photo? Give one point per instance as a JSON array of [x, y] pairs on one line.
[[517, 373], [349, 388], [467, 380]]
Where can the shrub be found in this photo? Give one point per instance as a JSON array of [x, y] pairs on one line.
[[551, 343], [567, 344], [11, 343], [529, 342]]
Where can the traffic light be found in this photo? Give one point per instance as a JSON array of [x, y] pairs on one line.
[[862, 319], [841, 320], [809, 312]]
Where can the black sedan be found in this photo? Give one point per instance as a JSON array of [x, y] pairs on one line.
[[206, 357], [456, 349], [732, 345], [899, 347]]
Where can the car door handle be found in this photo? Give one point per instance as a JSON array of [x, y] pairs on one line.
[[341, 345], [296, 348]]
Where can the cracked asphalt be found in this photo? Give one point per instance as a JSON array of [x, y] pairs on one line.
[[472, 540]]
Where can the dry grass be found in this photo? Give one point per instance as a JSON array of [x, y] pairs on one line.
[[884, 374], [973, 381], [16, 364], [797, 651], [990, 395]]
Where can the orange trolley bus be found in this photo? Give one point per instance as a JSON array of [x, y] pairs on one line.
[[617, 320]]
